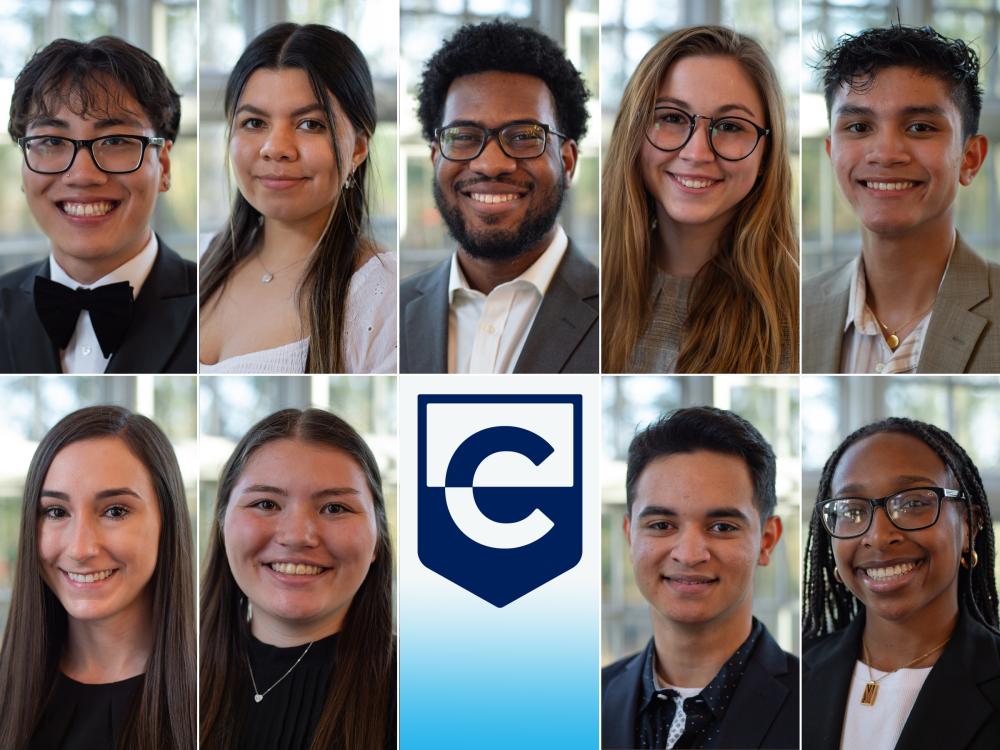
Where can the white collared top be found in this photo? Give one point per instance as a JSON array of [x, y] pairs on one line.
[[487, 332], [83, 354]]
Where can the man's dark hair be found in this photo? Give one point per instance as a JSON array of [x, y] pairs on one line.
[[705, 428], [856, 60], [508, 48], [89, 77]]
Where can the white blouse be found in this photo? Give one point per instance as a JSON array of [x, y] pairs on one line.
[[878, 727], [369, 342]]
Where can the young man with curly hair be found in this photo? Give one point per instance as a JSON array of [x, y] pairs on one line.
[[503, 110], [904, 108]]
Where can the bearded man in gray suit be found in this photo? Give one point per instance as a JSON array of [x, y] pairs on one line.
[[503, 110]]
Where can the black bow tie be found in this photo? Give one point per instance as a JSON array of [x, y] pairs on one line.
[[59, 307]]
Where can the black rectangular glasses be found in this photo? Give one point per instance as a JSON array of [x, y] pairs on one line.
[[519, 140], [910, 510], [114, 154]]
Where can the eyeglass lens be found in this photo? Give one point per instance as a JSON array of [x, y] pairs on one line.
[[518, 140], [908, 510], [111, 154], [730, 137]]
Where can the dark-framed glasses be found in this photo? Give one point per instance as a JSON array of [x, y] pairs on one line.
[[519, 140], [909, 510], [114, 154], [730, 138]]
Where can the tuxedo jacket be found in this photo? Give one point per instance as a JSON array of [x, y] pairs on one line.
[[763, 712], [563, 336], [957, 708], [161, 338], [963, 334]]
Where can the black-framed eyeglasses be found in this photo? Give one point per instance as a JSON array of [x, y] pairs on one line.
[[519, 140], [911, 509], [730, 138], [114, 154]]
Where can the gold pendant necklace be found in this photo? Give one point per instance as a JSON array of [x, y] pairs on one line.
[[870, 694], [890, 336]]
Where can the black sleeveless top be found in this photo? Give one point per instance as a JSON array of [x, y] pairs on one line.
[[85, 717]]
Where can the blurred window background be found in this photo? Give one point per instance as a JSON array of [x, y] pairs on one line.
[[163, 28], [32, 405], [424, 26], [227, 26], [830, 230], [771, 404]]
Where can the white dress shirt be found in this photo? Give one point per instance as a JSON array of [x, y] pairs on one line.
[[486, 332], [878, 727], [83, 354]]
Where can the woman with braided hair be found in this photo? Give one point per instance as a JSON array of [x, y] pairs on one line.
[[901, 646]]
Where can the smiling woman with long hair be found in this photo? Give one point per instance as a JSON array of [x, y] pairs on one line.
[[901, 646], [294, 283], [99, 646], [699, 255], [297, 649]]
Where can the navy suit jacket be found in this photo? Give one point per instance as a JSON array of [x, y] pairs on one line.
[[563, 337], [957, 708], [161, 338], [763, 712]]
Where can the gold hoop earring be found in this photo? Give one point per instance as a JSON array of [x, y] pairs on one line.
[[836, 574], [972, 556]]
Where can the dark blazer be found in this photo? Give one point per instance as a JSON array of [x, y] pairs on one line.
[[763, 713], [957, 708], [161, 338], [563, 338]]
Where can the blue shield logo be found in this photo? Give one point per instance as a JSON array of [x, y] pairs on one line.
[[500, 495]]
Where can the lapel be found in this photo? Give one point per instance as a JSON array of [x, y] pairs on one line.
[[825, 684], [163, 316], [564, 318], [758, 699], [620, 706], [823, 328], [954, 331], [29, 346], [425, 324]]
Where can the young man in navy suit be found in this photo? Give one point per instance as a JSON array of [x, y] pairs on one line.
[[95, 123], [700, 490]]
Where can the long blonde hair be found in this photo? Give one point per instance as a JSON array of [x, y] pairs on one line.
[[744, 303]]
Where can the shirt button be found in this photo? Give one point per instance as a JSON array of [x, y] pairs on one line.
[[879, 367], [490, 330], [86, 350]]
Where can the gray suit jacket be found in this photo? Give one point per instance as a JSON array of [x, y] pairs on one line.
[[563, 338], [963, 335]]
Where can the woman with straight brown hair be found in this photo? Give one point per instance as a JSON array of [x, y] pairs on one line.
[[99, 645], [699, 255], [297, 649]]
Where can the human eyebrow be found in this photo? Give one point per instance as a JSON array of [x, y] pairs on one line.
[[925, 109], [251, 109], [334, 492], [113, 122], [657, 510], [902, 480], [729, 107], [48, 122], [853, 110], [55, 495], [266, 489], [727, 513], [117, 492]]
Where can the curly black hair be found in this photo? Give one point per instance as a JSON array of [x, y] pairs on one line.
[[509, 48], [855, 61], [828, 605]]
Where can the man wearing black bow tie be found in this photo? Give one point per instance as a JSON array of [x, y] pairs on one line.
[[95, 123]]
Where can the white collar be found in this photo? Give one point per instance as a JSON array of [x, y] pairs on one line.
[[135, 271], [539, 274]]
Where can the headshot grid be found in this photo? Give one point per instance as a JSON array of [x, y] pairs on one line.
[[720, 281]]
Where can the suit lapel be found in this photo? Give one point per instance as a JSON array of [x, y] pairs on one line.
[[563, 320], [620, 706], [31, 349], [825, 685], [954, 331], [823, 330], [425, 325]]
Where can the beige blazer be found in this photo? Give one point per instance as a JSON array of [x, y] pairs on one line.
[[963, 335]]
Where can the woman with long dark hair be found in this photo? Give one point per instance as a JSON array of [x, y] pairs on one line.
[[699, 253], [901, 646], [99, 646], [295, 283], [297, 649]]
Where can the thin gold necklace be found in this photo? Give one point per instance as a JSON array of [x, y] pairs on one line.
[[890, 336], [871, 689]]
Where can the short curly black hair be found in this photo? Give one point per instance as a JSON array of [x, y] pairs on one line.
[[507, 47], [855, 61]]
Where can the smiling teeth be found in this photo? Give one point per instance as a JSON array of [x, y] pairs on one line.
[[89, 577], [889, 185], [100, 208], [694, 183], [881, 574], [291, 569], [493, 197]]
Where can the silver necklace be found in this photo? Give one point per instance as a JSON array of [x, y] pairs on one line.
[[259, 696], [268, 275]]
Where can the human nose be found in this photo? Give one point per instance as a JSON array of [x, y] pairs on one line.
[[493, 160], [84, 540], [297, 527], [84, 170], [881, 531], [279, 145], [887, 147], [698, 147], [690, 548]]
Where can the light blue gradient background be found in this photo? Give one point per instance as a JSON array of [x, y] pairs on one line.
[[475, 676]]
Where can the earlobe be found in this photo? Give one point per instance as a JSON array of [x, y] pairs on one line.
[[974, 158], [569, 154], [360, 150], [627, 529], [826, 143], [769, 537], [164, 158]]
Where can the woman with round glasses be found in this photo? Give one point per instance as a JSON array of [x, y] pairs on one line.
[[901, 646], [699, 252]]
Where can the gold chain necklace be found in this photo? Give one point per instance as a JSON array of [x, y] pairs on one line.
[[890, 336], [871, 689]]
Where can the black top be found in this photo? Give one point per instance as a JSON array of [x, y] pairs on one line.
[[85, 717]]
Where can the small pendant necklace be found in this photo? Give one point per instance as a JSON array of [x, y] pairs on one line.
[[871, 689], [259, 696], [891, 337], [269, 275]]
